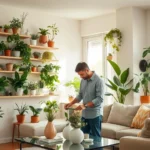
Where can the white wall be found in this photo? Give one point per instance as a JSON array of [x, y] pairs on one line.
[[98, 24], [69, 43]]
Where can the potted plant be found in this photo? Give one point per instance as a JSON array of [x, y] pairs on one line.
[[2, 47], [6, 28], [114, 37], [32, 87], [3, 84], [53, 32], [9, 66], [43, 36], [1, 113], [1, 27], [34, 38], [47, 56], [15, 24], [34, 68], [109, 57], [25, 67], [52, 90], [21, 110], [37, 55], [36, 112], [50, 109], [40, 87], [39, 68], [16, 67], [121, 85], [76, 135], [18, 82]]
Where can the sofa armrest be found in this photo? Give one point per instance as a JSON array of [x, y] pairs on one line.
[[134, 143]]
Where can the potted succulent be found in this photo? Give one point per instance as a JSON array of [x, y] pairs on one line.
[[53, 32], [39, 68], [18, 82], [32, 87], [6, 28], [1, 113], [2, 47], [15, 24], [40, 87], [109, 57], [1, 27], [50, 109], [34, 68], [9, 66], [21, 110], [16, 67], [114, 37], [34, 38], [3, 84], [36, 112], [47, 56], [37, 54], [43, 36]]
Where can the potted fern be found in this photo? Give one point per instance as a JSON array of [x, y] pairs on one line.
[[43, 36], [34, 38], [36, 112], [21, 112], [15, 24], [53, 32]]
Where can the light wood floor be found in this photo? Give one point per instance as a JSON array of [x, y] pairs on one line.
[[11, 146]]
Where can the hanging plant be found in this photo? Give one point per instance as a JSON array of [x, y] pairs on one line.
[[47, 56], [111, 37]]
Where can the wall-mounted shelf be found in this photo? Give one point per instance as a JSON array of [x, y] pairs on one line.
[[21, 36], [19, 58], [42, 47]]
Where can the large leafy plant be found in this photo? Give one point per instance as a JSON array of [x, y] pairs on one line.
[[35, 111], [18, 81], [1, 113], [120, 84], [53, 31], [3, 83], [15, 23], [51, 109], [22, 109]]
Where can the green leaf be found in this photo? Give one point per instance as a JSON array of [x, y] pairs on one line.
[[147, 50], [117, 81], [108, 94], [136, 89], [113, 85], [17, 76], [115, 67], [124, 91], [124, 76], [131, 81]]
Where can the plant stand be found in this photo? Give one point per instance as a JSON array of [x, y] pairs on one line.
[[13, 132]]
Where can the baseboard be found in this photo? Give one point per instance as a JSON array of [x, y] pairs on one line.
[[5, 140]]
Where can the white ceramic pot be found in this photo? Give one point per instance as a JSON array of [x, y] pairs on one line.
[[19, 92], [76, 147], [76, 136], [66, 145], [39, 69], [66, 131], [16, 53], [33, 42], [33, 92]]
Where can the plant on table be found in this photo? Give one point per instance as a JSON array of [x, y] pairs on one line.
[[3, 84], [21, 110], [15, 24], [6, 28], [43, 36], [1, 113], [36, 112]]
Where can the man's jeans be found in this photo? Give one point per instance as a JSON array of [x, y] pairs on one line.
[[93, 126]]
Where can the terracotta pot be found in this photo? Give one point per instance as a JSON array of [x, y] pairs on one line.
[[145, 99], [35, 119], [51, 43], [6, 30], [8, 52], [43, 39], [15, 30], [109, 57], [9, 67], [1, 29], [50, 131], [34, 69], [20, 118]]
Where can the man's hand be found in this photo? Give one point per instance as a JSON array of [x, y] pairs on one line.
[[80, 107], [68, 105], [90, 104]]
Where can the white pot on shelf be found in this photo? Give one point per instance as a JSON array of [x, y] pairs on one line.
[[39, 69], [66, 131], [16, 53], [32, 92], [33, 42], [19, 92], [76, 136]]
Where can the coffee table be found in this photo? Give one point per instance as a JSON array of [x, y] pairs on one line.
[[98, 144]]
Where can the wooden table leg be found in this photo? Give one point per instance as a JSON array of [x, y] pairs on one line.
[[20, 145], [13, 132], [18, 131]]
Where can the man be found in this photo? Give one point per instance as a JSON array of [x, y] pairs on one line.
[[91, 92]]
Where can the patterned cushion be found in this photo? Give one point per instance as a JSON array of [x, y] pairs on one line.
[[142, 114]]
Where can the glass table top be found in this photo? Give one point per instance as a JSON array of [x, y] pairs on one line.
[[67, 145]]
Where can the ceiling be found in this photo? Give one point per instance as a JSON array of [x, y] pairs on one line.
[[76, 9]]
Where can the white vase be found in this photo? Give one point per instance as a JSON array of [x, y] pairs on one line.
[[66, 131], [76, 147], [16, 53], [39, 69], [33, 92], [19, 92], [76, 136], [33, 42], [66, 145]]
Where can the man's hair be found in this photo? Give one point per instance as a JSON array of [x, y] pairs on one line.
[[81, 66]]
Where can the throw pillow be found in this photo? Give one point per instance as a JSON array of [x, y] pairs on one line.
[[106, 112], [146, 129], [142, 114], [122, 114]]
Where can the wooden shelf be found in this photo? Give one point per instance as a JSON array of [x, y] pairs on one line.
[[21, 36], [27, 96], [42, 47], [19, 58]]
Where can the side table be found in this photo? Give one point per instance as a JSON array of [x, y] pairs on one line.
[[13, 132]]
